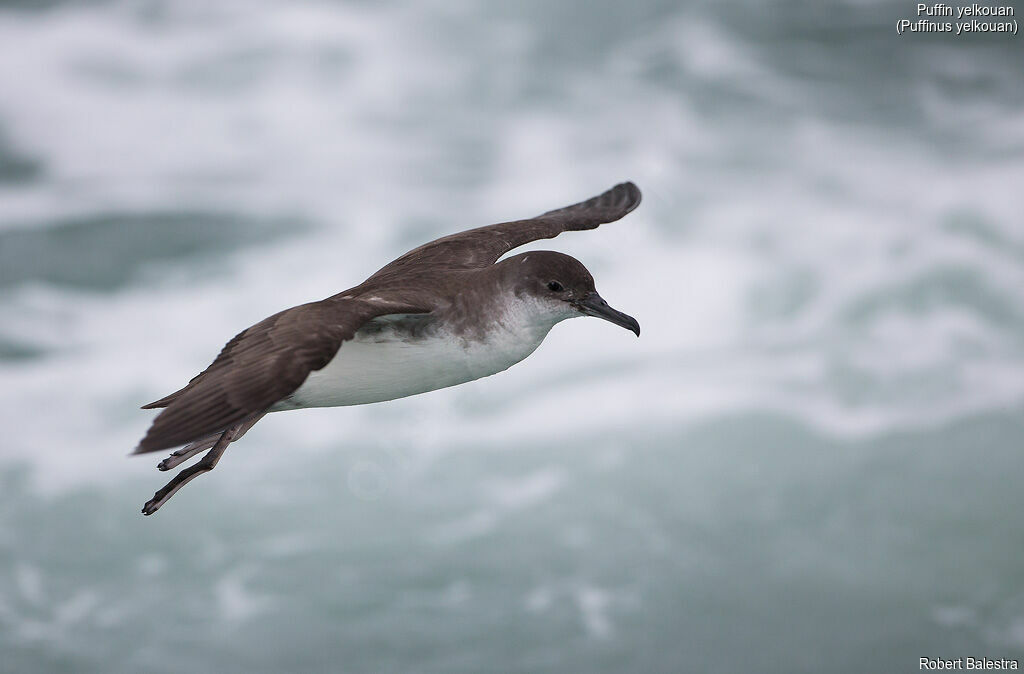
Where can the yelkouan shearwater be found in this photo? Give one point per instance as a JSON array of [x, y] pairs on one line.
[[443, 314]]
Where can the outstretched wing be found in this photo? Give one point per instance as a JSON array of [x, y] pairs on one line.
[[480, 247], [259, 367]]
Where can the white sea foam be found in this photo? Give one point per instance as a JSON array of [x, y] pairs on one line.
[[828, 239], [757, 289]]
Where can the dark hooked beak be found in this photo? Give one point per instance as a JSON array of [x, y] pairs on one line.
[[594, 305]]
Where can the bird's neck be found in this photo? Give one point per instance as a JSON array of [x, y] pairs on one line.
[[527, 315]]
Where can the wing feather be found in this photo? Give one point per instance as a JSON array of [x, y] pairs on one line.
[[480, 247]]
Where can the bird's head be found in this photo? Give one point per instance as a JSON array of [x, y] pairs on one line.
[[562, 284]]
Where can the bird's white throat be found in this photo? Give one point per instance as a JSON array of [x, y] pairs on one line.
[[387, 359]]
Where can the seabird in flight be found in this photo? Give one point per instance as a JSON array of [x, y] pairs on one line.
[[443, 314]]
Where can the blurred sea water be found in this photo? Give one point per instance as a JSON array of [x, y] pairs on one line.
[[810, 461]]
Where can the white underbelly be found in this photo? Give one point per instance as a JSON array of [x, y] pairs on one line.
[[369, 369]]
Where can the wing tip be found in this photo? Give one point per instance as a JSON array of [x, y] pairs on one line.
[[616, 202], [609, 206], [628, 194], [149, 444], [140, 449], [166, 400]]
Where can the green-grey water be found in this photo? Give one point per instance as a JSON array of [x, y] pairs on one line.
[[810, 461]]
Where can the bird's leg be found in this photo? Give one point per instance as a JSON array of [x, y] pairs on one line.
[[205, 465], [188, 451], [185, 453]]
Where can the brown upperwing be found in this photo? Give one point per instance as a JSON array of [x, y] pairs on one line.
[[480, 247], [260, 366]]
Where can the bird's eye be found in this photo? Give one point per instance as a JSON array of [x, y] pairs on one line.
[[555, 287]]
